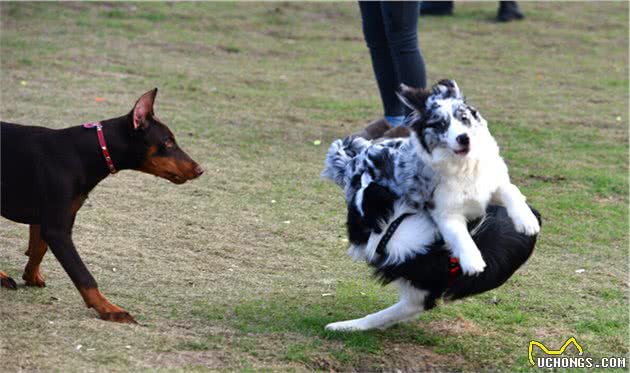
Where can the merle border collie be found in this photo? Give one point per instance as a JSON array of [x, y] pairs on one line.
[[435, 213], [453, 138]]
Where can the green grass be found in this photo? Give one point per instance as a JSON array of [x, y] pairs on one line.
[[212, 270]]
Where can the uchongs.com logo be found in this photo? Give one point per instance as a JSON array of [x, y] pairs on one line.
[[558, 359]]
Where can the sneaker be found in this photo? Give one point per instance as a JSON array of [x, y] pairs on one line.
[[374, 129], [509, 11]]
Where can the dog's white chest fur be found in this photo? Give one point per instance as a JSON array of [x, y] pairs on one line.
[[469, 188], [464, 189]]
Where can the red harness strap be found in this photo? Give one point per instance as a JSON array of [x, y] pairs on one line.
[[102, 143], [454, 269]]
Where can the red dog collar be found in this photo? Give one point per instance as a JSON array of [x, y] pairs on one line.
[[101, 141]]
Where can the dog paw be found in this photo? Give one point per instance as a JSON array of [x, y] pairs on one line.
[[8, 282], [120, 317], [526, 223], [346, 326], [472, 264], [35, 280]]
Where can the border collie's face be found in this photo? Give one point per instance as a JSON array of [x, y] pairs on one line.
[[444, 124]]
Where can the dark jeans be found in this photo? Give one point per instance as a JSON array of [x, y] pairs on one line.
[[391, 33]]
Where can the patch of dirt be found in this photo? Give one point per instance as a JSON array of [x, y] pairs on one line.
[[547, 179], [327, 365], [553, 337], [211, 359], [609, 200], [457, 327], [551, 333], [409, 357], [184, 48], [223, 349]]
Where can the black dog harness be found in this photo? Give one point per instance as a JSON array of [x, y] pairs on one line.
[[380, 249], [454, 269]]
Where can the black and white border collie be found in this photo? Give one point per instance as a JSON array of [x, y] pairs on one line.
[[453, 139], [417, 203]]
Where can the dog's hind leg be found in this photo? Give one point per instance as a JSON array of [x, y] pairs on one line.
[[412, 303], [36, 250], [7, 282]]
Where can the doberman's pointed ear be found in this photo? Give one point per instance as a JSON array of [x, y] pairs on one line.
[[143, 109], [414, 98]]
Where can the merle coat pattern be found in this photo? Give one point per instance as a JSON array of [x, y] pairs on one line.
[[384, 180]]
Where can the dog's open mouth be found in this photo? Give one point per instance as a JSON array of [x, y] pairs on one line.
[[463, 151]]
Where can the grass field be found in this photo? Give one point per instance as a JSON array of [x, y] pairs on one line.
[[241, 269]]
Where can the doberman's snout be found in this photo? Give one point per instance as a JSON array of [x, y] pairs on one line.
[[198, 171]]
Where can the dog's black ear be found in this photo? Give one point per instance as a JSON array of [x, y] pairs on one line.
[[414, 98], [447, 89], [143, 110]]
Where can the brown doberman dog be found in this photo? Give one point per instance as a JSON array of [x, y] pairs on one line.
[[46, 175]]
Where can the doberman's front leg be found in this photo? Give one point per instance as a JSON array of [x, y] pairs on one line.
[[36, 250], [57, 232], [62, 246]]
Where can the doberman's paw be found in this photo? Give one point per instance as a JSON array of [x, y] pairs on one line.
[[106, 310], [8, 282], [121, 317], [34, 280]]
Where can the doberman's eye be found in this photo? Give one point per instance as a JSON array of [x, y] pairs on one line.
[[169, 143]]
